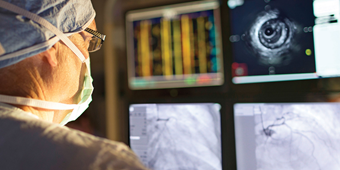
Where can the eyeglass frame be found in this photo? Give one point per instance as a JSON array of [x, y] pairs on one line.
[[97, 35]]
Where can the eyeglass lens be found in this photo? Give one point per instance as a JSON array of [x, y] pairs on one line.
[[95, 44]]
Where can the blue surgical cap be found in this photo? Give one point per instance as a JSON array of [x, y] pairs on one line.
[[21, 37]]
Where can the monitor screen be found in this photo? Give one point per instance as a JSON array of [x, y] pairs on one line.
[[281, 40], [174, 46], [177, 136], [287, 136]]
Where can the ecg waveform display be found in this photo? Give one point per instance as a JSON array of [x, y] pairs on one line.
[[176, 49]]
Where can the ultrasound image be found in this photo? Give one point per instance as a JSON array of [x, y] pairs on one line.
[[268, 37]]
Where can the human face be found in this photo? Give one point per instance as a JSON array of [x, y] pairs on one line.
[[72, 67]]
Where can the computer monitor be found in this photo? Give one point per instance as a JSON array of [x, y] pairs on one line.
[[177, 136], [287, 136], [281, 40], [174, 46]]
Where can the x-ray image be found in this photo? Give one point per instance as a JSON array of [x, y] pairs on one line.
[[298, 137], [180, 137], [292, 136], [272, 37]]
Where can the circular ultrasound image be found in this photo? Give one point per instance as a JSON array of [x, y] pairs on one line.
[[270, 38]]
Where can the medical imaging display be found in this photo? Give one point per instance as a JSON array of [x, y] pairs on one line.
[[175, 46], [281, 136], [177, 136], [270, 38], [280, 40]]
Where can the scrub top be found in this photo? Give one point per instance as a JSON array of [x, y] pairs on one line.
[[27, 142]]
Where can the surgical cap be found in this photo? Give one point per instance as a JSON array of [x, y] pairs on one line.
[[21, 37]]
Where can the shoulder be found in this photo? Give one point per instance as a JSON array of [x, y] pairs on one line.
[[43, 145]]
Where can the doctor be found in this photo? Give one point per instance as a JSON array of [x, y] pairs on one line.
[[45, 82]]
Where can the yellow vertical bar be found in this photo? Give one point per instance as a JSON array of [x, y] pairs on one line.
[[177, 47], [202, 54], [145, 48], [186, 44], [166, 48]]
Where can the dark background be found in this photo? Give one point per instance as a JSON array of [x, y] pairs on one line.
[[299, 12]]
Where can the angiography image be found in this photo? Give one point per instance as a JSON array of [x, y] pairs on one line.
[[297, 136], [184, 137], [272, 36]]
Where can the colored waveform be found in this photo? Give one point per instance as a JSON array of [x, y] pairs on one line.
[[145, 52], [177, 47], [185, 21], [166, 48]]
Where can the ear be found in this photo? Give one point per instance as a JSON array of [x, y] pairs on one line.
[[51, 56]]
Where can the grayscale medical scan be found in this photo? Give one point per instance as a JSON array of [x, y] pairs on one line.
[[279, 136], [177, 136], [271, 37], [283, 40]]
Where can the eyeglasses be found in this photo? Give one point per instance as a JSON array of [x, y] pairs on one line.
[[96, 41]]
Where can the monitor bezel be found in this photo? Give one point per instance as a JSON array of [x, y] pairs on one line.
[[219, 100], [229, 135], [289, 86], [180, 8]]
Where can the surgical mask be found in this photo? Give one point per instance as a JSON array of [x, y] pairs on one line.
[[78, 109], [87, 89], [85, 96]]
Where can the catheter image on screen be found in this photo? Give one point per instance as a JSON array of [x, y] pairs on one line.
[[177, 136], [282, 40], [281, 136]]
